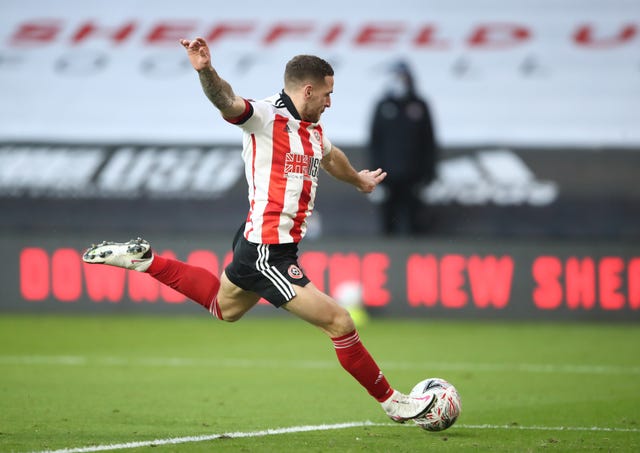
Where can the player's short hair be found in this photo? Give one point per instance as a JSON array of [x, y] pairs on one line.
[[303, 68]]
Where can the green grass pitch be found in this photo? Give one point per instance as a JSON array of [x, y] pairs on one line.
[[73, 382]]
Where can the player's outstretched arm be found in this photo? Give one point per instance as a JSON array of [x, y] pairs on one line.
[[337, 165], [215, 87]]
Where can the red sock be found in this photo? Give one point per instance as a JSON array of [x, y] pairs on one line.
[[355, 358], [197, 283]]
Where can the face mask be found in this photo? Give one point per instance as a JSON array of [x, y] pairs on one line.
[[397, 88]]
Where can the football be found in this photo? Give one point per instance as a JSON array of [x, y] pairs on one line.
[[446, 409]]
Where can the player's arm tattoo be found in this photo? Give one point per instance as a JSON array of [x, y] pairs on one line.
[[217, 89]]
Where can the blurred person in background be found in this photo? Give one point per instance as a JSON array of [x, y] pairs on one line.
[[402, 141]]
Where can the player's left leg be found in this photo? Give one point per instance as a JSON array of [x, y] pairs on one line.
[[317, 308]]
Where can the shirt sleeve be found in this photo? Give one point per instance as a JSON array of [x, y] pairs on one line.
[[326, 145], [244, 116], [255, 116]]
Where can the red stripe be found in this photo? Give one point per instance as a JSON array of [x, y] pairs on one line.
[[253, 185], [305, 196], [319, 129], [277, 181], [244, 116]]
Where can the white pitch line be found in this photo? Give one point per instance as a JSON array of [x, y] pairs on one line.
[[309, 428], [317, 364], [187, 439], [553, 428]]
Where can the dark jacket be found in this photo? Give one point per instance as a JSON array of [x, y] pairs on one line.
[[402, 140]]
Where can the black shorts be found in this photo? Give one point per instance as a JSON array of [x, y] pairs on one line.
[[267, 269]]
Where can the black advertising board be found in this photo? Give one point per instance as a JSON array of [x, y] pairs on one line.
[[483, 192]]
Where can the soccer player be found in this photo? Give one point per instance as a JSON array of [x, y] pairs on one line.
[[284, 146]]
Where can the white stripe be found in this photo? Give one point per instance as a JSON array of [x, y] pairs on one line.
[[260, 261], [317, 364], [273, 274], [310, 428], [347, 342], [212, 307], [278, 284], [280, 281]]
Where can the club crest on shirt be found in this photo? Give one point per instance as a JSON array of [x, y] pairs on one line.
[[294, 272]]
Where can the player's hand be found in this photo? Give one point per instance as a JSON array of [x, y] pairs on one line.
[[370, 179], [198, 53]]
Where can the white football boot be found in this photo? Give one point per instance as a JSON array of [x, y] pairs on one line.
[[135, 254], [400, 407]]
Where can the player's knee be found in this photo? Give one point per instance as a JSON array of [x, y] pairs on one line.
[[231, 316], [232, 313], [342, 322]]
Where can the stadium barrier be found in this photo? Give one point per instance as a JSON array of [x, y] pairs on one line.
[[489, 192]]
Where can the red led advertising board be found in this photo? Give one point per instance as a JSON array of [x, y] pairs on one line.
[[399, 278]]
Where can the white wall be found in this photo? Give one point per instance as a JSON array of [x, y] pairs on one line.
[[542, 73]]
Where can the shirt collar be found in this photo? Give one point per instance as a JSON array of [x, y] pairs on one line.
[[288, 103]]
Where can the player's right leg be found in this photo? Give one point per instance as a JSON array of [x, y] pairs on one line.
[[197, 283], [135, 254], [233, 301], [224, 300]]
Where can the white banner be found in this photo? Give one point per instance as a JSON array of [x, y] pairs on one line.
[[512, 72]]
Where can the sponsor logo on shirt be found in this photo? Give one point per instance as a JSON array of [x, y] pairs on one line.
[[301, 166]]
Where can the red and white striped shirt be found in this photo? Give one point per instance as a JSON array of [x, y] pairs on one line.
[[282, 157]]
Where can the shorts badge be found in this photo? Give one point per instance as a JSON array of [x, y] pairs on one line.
[[294, 272]]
